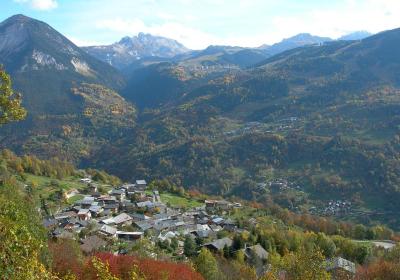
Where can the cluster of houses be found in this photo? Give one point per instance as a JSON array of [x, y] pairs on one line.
[[281, 185], [285, 124], [250, 127], [128, 212], [333, 208], [338, 207], [131, 212]]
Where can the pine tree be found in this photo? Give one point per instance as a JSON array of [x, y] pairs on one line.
[[189, 247]]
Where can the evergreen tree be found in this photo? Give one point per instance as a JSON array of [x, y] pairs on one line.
[[189, 247], [227, 252], [237, 243]]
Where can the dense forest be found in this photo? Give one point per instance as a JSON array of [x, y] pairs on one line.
[[323, 117]]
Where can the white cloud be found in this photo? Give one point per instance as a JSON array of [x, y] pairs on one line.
[[82, 42], [371, 15], [40, 4], [247, 23]]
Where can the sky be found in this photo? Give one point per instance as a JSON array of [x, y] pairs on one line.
[[199, 23]]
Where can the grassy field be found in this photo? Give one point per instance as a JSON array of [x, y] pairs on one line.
[[179, 201], [75, 198], [45, 185]]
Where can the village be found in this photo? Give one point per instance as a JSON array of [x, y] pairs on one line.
[[132, 213], [279, 126]]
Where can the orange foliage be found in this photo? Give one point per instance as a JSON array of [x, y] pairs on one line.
[[120, 266], [381, 270], [66, 257], [256, 205], [194, 193]]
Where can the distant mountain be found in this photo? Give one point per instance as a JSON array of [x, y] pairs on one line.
[[223, 56], [299, 40], [354, 36], [66, 91], [31, 49], [157, 84], [131, 49]]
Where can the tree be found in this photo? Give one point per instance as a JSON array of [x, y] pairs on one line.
[[103, 270], [189, 247], [238, 242], [10, 102], [206, 265], [360, 232], [305, 265], [71, 259], [227, 253], [22, 239]]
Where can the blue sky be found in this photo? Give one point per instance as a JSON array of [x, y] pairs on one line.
[[199, 23]]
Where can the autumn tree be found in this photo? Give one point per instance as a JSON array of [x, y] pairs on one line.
[[103, 270], [21, 238], [301, 265], [206, 264], [70, 261], [10, 102]]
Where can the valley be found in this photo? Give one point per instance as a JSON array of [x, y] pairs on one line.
[[252, 161], [305, 115]]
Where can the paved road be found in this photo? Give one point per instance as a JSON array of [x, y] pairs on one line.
[[386, 244]]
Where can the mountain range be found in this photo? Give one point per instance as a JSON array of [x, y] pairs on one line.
[[133, 52], [130, 49], [321, 113]]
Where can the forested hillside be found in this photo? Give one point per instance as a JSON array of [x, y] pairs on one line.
[[323, 118]]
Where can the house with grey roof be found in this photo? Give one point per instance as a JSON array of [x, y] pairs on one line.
[[86, 202], [84, 214], [92, 244], [64, 216], [120, 194], [96, 210], [108, 231], [139, 217], [145, 204], [144, 225], [129, 235], [122, 219], [111, 208], [219, 244], [141, 184]]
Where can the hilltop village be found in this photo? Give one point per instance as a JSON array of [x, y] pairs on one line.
[[134, 215]]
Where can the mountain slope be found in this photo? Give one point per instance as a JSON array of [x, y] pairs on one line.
[[325, 117], [47, 68], [132, 49], [354, 36], [299, 40], [159, 84], [31, 50]]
